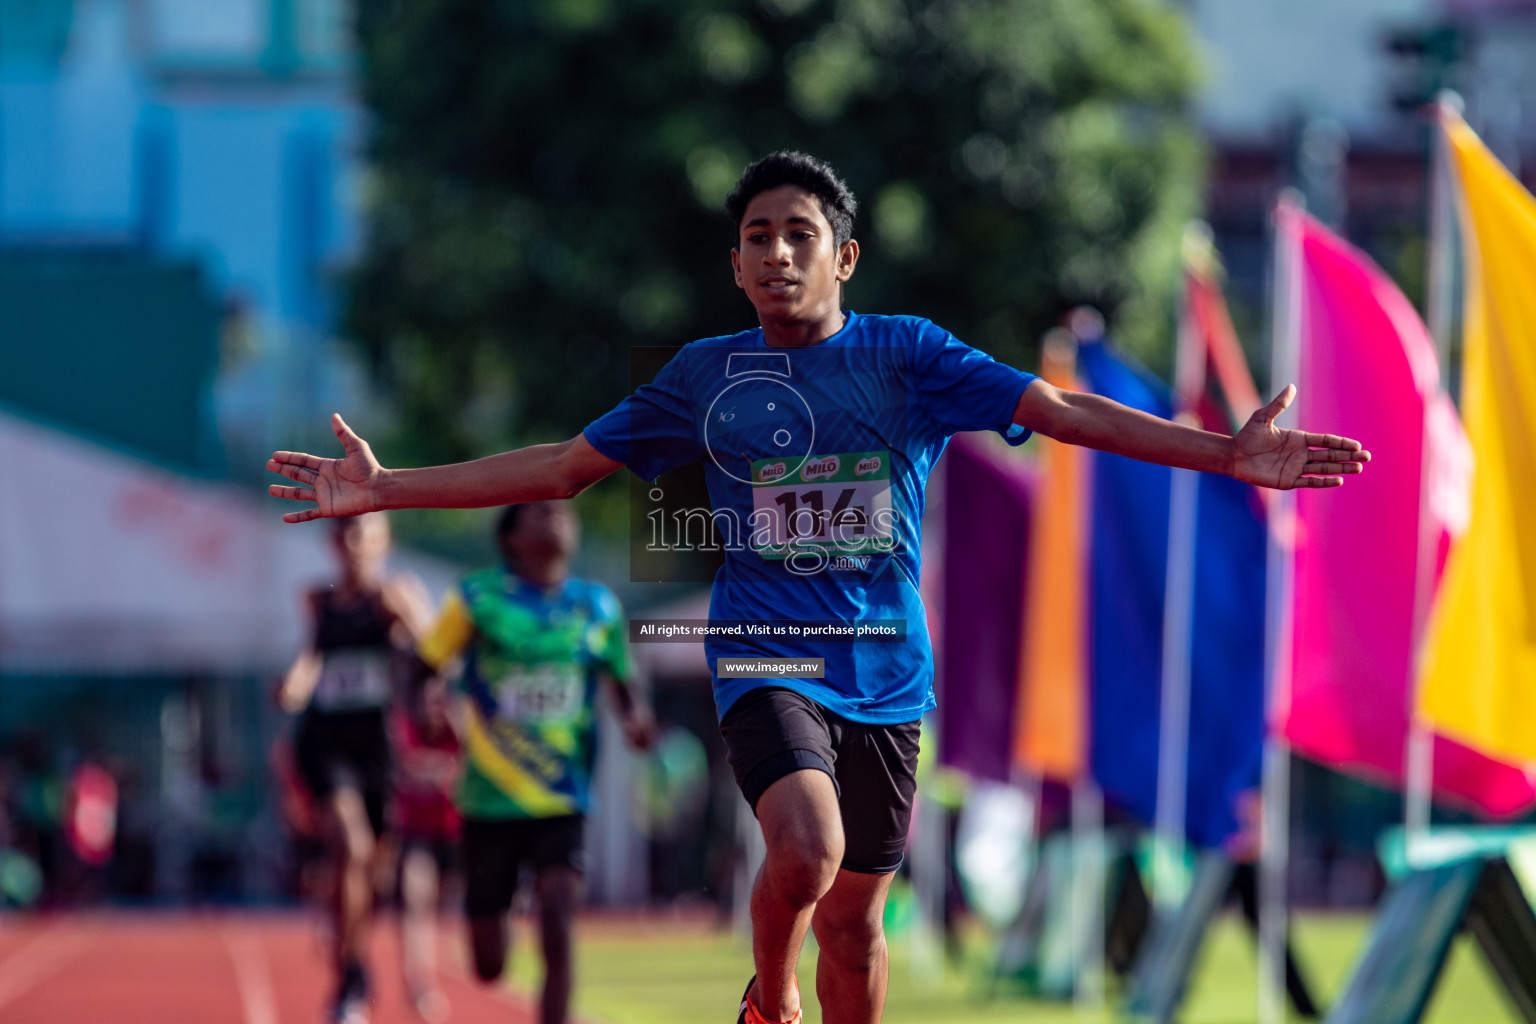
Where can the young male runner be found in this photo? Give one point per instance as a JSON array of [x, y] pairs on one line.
[[817, 430], [340, 686], [536, 643]]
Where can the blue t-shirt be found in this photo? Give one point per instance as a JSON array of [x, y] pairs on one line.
[[816, 460]]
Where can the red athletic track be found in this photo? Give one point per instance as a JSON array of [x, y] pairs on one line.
[[212, 968]]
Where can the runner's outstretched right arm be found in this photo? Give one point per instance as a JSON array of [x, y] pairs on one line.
[[634, 713], [356, 483]]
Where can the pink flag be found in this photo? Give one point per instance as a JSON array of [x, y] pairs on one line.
[[1368, 370]]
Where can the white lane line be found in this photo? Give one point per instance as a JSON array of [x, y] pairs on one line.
[[253, 976], [37, 960]]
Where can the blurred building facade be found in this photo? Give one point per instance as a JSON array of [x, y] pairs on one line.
[[1326, 97], [221, 134]]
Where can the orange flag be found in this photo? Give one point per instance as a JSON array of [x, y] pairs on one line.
[[1051, 731]]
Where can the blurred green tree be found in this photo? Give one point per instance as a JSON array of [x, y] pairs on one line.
[[549, 177]]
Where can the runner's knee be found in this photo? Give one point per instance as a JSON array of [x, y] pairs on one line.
[[804, 836], [488, 940], [854, 943], [352, 826], [487, 971], [359, 844], [555, 945], [559, 893], [850, 923], [801, 873]]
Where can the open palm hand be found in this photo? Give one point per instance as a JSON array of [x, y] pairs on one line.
[[1271, 456], [339, 487]]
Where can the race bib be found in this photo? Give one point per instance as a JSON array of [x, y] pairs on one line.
[[538, 693], [840, 504], [352, 679]]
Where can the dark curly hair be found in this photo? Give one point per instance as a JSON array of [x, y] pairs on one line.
[[790, 168], [508, 520]]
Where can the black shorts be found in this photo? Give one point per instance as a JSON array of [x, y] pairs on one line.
[[345, 749], [772, 732], [494, 850]]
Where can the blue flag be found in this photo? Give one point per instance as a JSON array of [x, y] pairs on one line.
[[1128, 566]]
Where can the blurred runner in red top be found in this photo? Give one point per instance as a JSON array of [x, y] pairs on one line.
[[428, 759]]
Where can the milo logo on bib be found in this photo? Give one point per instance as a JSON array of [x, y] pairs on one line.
[[820, 469], [838, 504]]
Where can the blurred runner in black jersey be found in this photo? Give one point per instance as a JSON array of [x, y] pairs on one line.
[[341, 686]]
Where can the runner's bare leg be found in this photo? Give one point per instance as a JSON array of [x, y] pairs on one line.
[[803, 831], [854, 963]]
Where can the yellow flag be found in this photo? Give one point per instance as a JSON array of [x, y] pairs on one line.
[[1479, 683], [1050, 732]]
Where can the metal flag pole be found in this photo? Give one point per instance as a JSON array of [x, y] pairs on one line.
[[1274, 850], [1178, 628], [1439, 301], [1088, 892], [929, 846]]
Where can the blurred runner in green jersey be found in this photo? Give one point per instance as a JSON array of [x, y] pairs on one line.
[[536, 643]]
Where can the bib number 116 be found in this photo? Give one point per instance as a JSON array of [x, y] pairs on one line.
[[805, 514]]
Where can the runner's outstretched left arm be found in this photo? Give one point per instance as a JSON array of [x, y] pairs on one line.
[[1260, 453]]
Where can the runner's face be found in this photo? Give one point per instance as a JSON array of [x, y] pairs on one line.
[[545, 530], [787, 258], [362, 545], [435, 702]]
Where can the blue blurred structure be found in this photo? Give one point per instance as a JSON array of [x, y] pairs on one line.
[[217, 133]]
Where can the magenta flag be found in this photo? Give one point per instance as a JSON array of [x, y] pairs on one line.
[[1368, 370], [988, 504]]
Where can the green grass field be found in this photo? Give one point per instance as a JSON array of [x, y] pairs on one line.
[[682, 973]]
